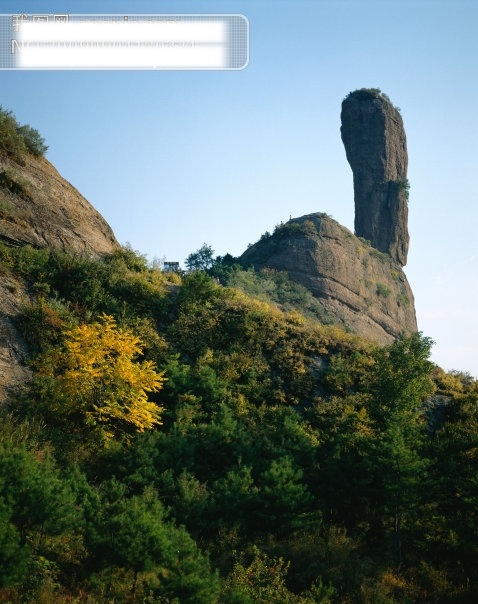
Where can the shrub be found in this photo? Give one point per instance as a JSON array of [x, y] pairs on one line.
[[12, 143], [383, 290], [378, 254], [200, 260], [34, 142], [6, 207], [366, 93], [369, 93], [291, 228], [17, 140], [14, 183], [403, 187]]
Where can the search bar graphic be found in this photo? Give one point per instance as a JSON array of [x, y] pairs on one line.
[[132, 42], [212, 32]]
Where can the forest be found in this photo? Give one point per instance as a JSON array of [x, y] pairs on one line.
[[208, 438]]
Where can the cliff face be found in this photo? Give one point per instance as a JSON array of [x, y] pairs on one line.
[[364, 290], [13, 373], [376, 148], [40, 208]]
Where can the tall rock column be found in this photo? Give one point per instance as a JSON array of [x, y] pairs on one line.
[[376, 147]]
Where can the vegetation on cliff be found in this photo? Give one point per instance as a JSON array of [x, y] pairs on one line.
[[282, 460], [17, 140], [356, 285]]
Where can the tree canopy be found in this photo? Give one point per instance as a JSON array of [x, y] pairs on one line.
[[96, 375], [185, 440]]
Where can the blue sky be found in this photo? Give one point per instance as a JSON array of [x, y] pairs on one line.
[[175, 159]]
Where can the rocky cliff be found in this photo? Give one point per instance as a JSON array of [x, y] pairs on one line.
[[376, 148], [363, 289], [358, 278], [13, 372], [40, 208]]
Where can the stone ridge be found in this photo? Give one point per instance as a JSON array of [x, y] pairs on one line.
[[376, 147], [363, 290]]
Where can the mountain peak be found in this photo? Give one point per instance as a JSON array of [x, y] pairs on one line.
[[376, 147], [361, 288]]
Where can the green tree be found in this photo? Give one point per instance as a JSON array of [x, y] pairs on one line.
[[16, 140], [372, 463], [396, 461], [133, 535], [200, 260], [37, 510], [12, 143], [14, 556], [283, 497], [33, 140], [452, 530], [37, 497]]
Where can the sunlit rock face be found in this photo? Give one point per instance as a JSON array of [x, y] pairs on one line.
[[42, 209], [361, 289], [39, 208]]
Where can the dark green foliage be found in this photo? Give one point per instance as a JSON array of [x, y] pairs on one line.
[[403, 187], [200, 260], [41, 323], [36, 508], [132, 534], [276, 287], [34, 142], [12, 143], [16, 140], [223, 268], [14, 555], [296, 463], [368, 93], [454, 487], [383, 290], [120, 284]]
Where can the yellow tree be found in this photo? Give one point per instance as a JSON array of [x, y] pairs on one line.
[[96, 376]]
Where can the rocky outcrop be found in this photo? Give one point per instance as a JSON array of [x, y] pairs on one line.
[[376, 147], [40, 208], [13, 348], [363, 289]]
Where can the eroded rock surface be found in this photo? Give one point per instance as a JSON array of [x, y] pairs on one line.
[[13, 348], [376, 147], [364, 290], [40, 208]]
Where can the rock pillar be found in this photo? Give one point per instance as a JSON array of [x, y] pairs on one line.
[[376, 147]]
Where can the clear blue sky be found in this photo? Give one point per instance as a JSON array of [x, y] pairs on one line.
[[175, 159]]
